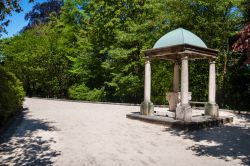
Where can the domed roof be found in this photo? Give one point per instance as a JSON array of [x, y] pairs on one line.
[[178, 37]]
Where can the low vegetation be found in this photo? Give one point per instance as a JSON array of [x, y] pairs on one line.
[[11, 95]]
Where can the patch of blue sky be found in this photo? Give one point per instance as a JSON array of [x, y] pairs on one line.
[[17, 21]]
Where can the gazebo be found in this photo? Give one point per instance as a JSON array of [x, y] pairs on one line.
[[180, 46]]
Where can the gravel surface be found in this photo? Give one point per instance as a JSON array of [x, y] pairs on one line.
[[71, 133]]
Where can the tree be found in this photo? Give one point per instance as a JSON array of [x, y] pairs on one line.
[[238, 79], [71, 27], [215, 22], [41, 13], [141, 24], [95, 49], [116, 32], [246, 11], [38, 59], [243, 42]]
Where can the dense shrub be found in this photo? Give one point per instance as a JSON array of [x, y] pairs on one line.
[[82, 92], [236, 91], [11, 95]]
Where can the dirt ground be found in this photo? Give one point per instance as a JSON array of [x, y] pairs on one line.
[[62, 133]]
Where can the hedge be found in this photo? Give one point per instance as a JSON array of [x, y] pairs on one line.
[[11, 95]]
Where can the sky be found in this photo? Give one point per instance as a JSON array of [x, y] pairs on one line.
[[17, 21]]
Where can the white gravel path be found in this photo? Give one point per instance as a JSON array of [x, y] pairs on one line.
[[69, 133]]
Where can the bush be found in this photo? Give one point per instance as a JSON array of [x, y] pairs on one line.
[[11, 95], [236, 92], [82, 92]]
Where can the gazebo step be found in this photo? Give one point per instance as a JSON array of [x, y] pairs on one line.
[[198, 122]]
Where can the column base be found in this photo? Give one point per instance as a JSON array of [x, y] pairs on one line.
[[147, 108], [172, 98], [212, 110], [184, 113]]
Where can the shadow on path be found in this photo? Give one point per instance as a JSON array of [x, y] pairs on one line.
[[227, 142], [19, 145]]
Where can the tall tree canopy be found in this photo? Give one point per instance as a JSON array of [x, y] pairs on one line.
[[41, 12], [243, 42], [93, 50], [116, 33], [246, 10]]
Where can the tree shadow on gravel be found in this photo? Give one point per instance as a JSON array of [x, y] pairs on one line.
[[227, 142], [20, 146]]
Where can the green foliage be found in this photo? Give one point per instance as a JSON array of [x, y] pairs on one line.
[[215, 22], [117, 33], [162, 79], [41, 12], [11, 95], [198, 80], [38, 59], [236, 91], [82, 92], [246, 11], [95, 49]]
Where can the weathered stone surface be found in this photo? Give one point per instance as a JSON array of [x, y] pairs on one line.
[[212, 83], [184, 80], [212, 110], [147, 108], [198, 122], [176, 80], [172, 98], [147, 81], [189, 96], [184, 113]]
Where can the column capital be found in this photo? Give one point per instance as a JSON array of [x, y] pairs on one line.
[[147, 61], [177, 62], [212, 61], [147, 58], [184, 57]]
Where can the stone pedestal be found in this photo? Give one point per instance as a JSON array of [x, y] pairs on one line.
[[147, 108], [173, 100], [212, 110], [184, 113]]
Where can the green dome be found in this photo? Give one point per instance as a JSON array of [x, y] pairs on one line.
[[178, 37]]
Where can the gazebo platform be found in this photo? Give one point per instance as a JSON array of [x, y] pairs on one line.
[[198, 121]]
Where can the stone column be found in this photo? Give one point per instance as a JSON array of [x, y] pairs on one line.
[[184, 81], [212, 83], [184, 112], [147, 107], [211, 107], [176, 80], [147, 81]]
